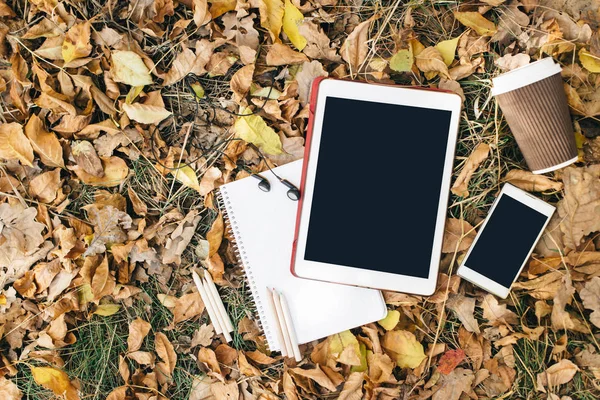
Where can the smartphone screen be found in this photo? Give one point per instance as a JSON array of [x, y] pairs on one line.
[[506, 240]]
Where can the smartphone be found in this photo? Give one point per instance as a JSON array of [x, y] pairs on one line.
[[505, 240]]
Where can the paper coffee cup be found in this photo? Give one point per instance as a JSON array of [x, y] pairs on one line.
[[534, 104]]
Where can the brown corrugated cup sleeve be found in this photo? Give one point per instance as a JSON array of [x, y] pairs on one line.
[[539, 118]]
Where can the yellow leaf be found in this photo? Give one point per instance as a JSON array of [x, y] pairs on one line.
[[84, 294], [44, 143], [390, 321], [271, 17], [145, 114], [403, 347], [220, 7], [14, 144], [291, 18], [253, 129], [589, 61], [448, 49], [363, 359], [402, 61], [186, 176], [128, 67], [345, 348], [106, 310], [77, 42], [416, 47], [115, 172], [55, 380], [477, 22]]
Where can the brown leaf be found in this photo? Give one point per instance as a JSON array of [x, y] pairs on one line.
[[431, 60], [458, 235], [187, 306], [44, 143], [380, 367], [248, 369], [145, 114], [138, 329], [464, 307], [103, 282], [87, 158], [77, 42], [119, 393], [44, 186], [260, 357], [451, 386], [209, 357], [305, 77], [289, 389], [55, 380], [225, 391], [166, 352], [531, 182], [355, 48], [139, 207], [115, 172], [590, 295], [281, 54], [14, 144], [561, 318], [201, 388], [109, 224], [497, 313], [203, 336], [240, 83], [316, 375], [543, 287], [8, 390], [352, 389], [460, 187], [142, 357], [558, 374], [215, 235], [472, 344], [578, 207], [202, 16], [450, 360]]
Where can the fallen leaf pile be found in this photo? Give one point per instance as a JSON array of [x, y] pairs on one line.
[[119, 120]]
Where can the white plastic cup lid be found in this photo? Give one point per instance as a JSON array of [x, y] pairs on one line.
[[525, 75]]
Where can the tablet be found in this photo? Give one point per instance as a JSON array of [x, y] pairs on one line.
[[375, 185]]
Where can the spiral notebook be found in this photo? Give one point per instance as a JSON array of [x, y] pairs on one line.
[[263, 224]]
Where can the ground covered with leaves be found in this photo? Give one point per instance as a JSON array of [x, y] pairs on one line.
[[119, 120]]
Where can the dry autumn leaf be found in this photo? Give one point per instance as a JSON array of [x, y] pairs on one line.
[[187, 306], [44, 187], [464, 307], [458, 235], [166, 352], [403, 348], [186, 176], [77, 42], [115, 172], [128, 67], [590, 295], [55, 380], [138, 329], [479, 154], [291, 19], [450, 360], [14, 144], [44, 143], [531, 182], [8, 390], [577, 208], [271, 17], [355, 48], [477, 22], [431, 60], [558, 374], [145, 114], [253, 129]]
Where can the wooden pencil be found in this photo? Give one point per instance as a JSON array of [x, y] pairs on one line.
[[207, 302], [290, 327]]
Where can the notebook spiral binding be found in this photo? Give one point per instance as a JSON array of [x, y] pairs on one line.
[[231, 228]]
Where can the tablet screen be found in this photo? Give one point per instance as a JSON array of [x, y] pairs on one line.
[[377, 186]]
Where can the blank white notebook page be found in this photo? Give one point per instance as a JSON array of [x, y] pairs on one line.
[[263, 225]]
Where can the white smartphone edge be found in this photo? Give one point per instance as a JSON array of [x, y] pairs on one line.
[[525, 198]]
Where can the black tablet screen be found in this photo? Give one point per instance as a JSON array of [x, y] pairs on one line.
[[505, 242], [377, 187]]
